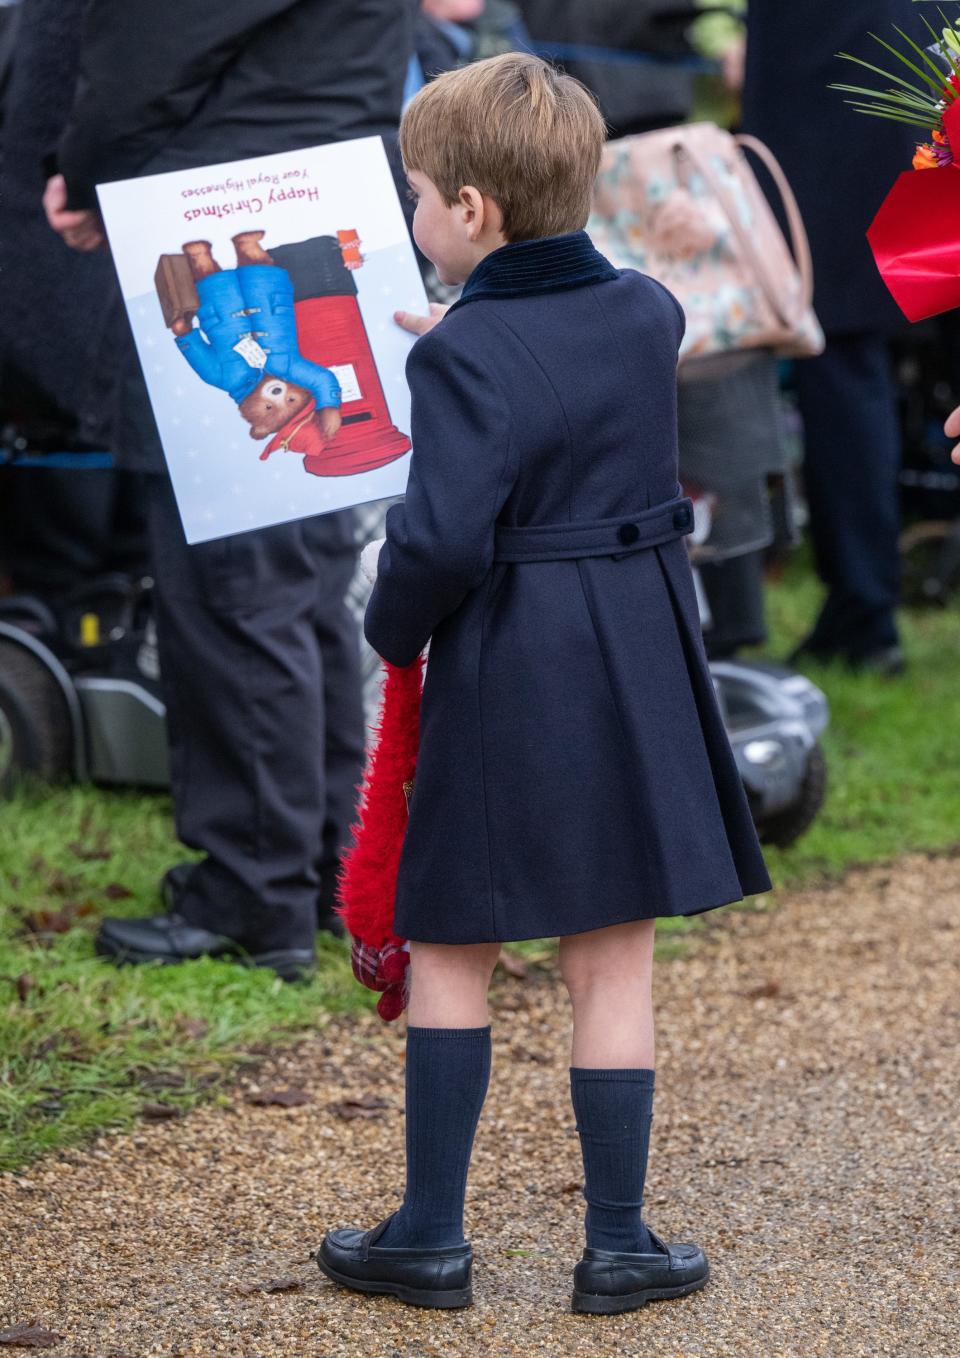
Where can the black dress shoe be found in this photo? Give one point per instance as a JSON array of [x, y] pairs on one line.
[[606, 1283], [170, 939], [436, 1278], [887, 661]]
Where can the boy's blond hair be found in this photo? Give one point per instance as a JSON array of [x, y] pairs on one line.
[[518, 130]]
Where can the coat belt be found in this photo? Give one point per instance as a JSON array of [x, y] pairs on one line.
[[598, 537]]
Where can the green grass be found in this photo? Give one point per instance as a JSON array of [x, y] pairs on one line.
[[894, 778], [84, 1046]]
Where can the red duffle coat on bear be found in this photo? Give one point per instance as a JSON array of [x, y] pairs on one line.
[[573, 769]]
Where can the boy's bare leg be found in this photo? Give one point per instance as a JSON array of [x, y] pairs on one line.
[[249, 250], [608, 973], [449, 983], [199, 254]]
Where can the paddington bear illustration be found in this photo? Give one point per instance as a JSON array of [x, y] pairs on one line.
[[246, 345]]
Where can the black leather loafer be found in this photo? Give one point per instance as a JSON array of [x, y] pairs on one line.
[[606, 1283], [170, 939], [436, 1278]]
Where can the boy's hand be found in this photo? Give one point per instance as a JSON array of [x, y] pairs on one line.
[[80, 230], [952, 431], [419, 325], [369, 558]]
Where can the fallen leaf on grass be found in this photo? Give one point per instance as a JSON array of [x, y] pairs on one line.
[[513, 965], [68, 1044], [192, 1027], [275, 1285], [115, 892], [159, 1112], [62, 883], [279, 1098], [157, 1079], [763, 992], [368, 1106], [58, 921], [32, 1336], [24, 983], [90, 853]]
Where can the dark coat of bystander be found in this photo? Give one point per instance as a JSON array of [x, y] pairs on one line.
[[840, 164]]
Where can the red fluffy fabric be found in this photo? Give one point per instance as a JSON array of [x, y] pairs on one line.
[[368, 882]]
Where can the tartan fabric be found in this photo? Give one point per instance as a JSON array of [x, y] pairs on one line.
[[371, 966], [383, 970]]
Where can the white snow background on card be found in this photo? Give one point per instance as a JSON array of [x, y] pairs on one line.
[[221, 485]]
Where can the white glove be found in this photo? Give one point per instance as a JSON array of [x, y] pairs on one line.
[[369, 558]]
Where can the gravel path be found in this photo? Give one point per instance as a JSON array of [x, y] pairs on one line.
[[806, 1134]]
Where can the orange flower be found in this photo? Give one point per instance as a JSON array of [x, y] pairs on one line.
[[939, 137], [925, 159]]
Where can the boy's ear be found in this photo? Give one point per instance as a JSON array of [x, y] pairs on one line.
[[480, 213], [472, 210]]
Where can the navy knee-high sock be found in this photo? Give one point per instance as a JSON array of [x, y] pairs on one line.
[[448, 1070], [614, 1110]]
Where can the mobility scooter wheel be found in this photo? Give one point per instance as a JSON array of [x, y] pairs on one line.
[[36, 732]]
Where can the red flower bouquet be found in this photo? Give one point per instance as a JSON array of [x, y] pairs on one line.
[[915, 237]]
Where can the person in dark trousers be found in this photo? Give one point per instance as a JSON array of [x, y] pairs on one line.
[[573, 777], [60, 527], [840, 168], [258, 652]]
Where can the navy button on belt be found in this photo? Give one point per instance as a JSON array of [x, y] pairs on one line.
[[628, 534], [682, 517]]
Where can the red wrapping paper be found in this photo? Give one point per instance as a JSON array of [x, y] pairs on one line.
[[915, 237]]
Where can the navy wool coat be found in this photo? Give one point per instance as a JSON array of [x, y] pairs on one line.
[[573, 770]]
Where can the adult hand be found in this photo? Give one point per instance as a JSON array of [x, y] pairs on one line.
[[419, 325], [952, 431], [80, 230], [453, 11]]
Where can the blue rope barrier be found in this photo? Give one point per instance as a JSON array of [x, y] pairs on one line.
[[93, 461]]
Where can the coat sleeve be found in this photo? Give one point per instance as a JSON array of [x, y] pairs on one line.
[[145, 68], [320, 382], [440, 540]]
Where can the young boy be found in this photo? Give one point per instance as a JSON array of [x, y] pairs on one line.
[[574, 778]]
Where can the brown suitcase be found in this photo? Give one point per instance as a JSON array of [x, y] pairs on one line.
[[176, 289]]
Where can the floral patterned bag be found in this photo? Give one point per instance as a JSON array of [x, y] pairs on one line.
[[684, 206]]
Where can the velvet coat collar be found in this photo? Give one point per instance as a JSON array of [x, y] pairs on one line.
[[529, 267]]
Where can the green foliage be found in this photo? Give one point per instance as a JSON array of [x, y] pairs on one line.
[[918, 97]]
